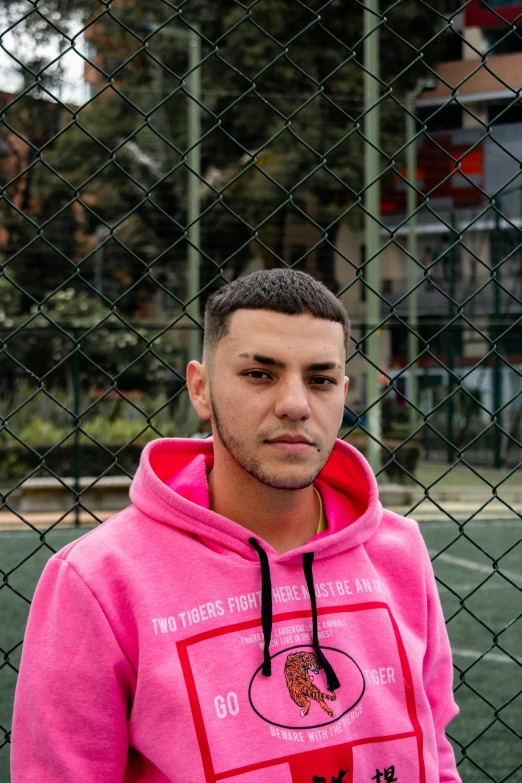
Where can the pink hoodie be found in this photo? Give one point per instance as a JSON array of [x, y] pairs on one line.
[[146, 657]]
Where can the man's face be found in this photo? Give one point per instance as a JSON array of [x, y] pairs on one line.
[[276, 392]]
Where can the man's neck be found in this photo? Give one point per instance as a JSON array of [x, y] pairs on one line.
[[285, 519]]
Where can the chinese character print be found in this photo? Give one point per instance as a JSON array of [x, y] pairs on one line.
[[339, 778], [386, 776]]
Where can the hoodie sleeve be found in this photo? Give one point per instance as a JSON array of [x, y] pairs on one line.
[[438, 677], [74, 688]]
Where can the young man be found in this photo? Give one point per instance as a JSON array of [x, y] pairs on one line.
[[255, 615]]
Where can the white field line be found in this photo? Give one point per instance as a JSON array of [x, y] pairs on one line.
[[493, 657], [487, 516], [493, 507], [5, 534], [466, 588], [474, 566], [434, 523]]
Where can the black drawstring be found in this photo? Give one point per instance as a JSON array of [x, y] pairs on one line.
[[266, 614], [331, 677], [266, 604]]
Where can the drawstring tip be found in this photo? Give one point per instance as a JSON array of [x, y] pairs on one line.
[[267, 668], [332, 680]]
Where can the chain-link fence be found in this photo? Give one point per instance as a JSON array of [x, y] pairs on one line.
[[151, 153]]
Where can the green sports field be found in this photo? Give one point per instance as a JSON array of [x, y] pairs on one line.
[[482, 607]]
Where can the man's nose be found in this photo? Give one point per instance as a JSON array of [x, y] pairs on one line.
[[292, 400]]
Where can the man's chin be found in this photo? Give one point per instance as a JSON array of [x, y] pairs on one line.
[[290, 482]]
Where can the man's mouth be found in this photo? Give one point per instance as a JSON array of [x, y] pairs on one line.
[[294, 444], [290, 439]]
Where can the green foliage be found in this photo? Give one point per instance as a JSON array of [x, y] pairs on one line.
[[33, 423], [109, 348], [41, 414], [98, 220], [282, 90], [9, 303]]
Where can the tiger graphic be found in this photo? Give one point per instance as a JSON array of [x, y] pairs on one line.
[[300, 682]]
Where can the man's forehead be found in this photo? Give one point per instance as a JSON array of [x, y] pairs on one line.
[[260, 334], [264, 324]]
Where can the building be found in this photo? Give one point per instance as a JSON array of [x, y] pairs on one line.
[[469, 163]]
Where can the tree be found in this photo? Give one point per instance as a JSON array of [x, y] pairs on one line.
[[282, 90]]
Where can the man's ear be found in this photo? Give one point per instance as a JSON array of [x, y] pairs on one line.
[[346, 384], [197, 385]]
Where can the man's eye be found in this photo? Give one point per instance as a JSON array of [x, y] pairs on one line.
[[322, 381], [258, 375]]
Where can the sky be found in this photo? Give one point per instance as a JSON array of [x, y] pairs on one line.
[[21, 43]]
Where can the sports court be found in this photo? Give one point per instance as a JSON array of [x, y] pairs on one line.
[[481, 601]]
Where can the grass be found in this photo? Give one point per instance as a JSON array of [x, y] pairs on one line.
[[486, 689]]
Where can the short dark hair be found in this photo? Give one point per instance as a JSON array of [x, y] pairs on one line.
[[282, 290]]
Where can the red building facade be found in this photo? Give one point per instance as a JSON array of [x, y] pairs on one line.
[[492, 13]]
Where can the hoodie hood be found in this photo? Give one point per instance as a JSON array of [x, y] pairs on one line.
[[171, 486]]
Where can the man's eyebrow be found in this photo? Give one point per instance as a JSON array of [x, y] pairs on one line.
[[323, 366], [271, 362], [260, 359]]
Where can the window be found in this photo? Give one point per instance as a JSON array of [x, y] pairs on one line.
[[501, 3], [452, 336], [399, 341], [387, 287], [500, 41], [505, 112]]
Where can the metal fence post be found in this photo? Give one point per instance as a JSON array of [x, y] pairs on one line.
[[193, 160], [372, 196], [496, 258], [411, 207], [194, 187], [450, 340], [77, 448]]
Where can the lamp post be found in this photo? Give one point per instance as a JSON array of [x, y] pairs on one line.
[[372, 198], [193, 159], [412, 245], [498, 392], [194, 188]]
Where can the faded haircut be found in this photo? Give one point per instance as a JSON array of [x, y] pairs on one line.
[[281, 290]]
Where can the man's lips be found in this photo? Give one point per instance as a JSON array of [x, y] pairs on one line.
[[291, 444], [290, 439]]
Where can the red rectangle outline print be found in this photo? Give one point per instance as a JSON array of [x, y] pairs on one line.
[[197, 715]]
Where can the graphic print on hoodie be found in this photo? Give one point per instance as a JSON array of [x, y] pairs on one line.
[[157, 627]]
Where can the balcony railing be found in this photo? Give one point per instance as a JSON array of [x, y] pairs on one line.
[[436, 294]]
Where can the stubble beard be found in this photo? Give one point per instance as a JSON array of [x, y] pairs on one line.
[[253, 465]]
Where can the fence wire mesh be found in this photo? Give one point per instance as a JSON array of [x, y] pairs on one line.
[[151, 153]]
